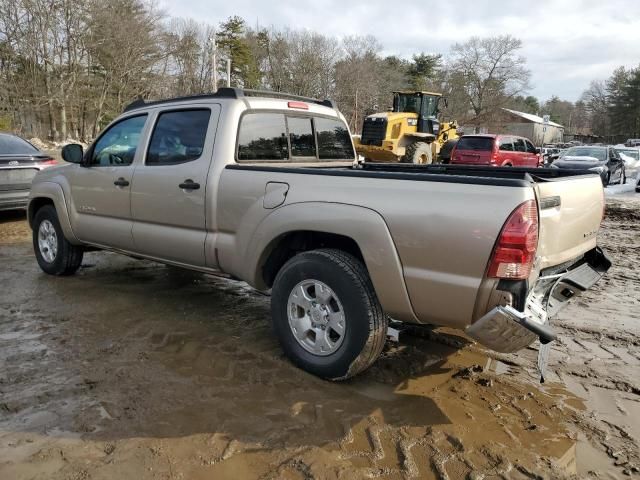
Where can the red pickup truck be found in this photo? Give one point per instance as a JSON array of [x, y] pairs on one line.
[[496, 150]]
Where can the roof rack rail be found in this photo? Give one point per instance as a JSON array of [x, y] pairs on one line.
[[224, 92], [228, 92]]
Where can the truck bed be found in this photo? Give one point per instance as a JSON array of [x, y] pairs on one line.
[[468, 174]]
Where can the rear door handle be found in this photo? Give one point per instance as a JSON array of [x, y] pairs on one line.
[[189, 185], [121, 182]]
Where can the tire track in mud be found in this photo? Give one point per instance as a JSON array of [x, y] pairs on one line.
[[148, 367]]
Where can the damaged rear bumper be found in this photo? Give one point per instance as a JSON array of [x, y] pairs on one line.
[[506, 329]]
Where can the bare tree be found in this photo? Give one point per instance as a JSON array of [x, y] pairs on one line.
[[595, 100], [487, 72]]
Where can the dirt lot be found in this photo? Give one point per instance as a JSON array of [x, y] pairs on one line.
[[134, 370]]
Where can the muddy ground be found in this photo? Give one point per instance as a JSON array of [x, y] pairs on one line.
[[130, 369]]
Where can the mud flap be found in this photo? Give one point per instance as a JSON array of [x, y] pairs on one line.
[[543, 359]]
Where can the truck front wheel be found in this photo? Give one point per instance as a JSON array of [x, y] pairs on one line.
[[326, 314], [418, 153], [55, 255]]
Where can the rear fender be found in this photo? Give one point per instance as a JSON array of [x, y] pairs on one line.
[[366, 227]]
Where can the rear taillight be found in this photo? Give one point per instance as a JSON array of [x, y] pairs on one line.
[[515, 249], [494, 152], [48, 162]]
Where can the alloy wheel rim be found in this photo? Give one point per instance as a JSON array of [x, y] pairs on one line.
[[47, 241], [316, 317]]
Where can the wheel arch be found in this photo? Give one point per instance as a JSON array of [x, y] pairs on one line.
[[50, 193], [359, 231]]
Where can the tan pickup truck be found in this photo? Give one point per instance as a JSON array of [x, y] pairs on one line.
[[266, 188]]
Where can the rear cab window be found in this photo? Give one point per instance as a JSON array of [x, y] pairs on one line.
[[292, 137], [475, 143]]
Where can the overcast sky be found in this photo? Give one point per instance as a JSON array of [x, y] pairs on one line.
[[567, 43]]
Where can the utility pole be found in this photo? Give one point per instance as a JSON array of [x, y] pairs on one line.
[[228, 72], [214, 63]]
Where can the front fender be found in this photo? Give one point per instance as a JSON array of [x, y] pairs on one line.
[[365, 226], [53, 192]]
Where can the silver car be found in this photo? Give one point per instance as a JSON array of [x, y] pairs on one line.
[[19, 163]]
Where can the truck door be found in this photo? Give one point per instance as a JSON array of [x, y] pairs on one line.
[[168, 199], [100, 188]]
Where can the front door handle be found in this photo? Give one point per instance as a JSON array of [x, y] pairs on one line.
[[121, 182], [189, 185]]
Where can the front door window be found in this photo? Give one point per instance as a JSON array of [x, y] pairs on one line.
[[117, 146]]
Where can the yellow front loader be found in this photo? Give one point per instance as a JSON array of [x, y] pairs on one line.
[[409, 133]]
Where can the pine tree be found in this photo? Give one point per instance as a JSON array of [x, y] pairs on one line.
[[232, 43]]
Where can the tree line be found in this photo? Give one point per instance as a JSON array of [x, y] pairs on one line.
[[68, 67]]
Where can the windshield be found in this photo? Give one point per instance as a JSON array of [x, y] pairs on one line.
[[635, 154], [411, 103], [595, 152]]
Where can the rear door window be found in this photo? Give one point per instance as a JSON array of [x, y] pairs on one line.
[[334, 142], [178, 137], [506, 144], [263, 136], [518, 145], [475, 143]]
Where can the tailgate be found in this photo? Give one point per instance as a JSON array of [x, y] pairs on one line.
[[570, 215]]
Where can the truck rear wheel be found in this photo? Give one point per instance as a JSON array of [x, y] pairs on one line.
[[418, 153], [326, 314], [54, 253]]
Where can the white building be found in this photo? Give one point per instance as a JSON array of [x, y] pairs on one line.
[[531, 126]]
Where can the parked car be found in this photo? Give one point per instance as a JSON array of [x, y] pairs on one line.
[[549, 154], [603, 160], [266, 189], [495, 150], [632, 142], [19, 163], [630, 155]]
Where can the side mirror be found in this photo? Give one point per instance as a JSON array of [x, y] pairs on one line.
[[538, 150], [72, 153]]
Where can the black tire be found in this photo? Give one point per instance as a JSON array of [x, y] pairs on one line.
[[419, 153], [365, 323], [68, 257]]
